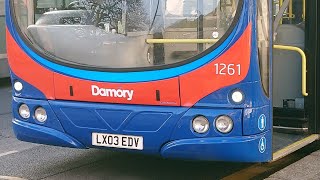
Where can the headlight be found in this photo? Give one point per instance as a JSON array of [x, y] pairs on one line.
[[237, 96], [18, 86], [224, 124], [24, 111], [200, 124], [41, 114]]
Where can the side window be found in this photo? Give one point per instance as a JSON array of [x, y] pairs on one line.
[[1, 7], [263, 31], [2, 29]]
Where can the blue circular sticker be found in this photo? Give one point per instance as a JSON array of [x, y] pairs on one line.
[[262, 122]]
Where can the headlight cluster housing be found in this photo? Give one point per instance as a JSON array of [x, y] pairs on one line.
[[24, 111], [200, 124], [223, 124], [40, 114]]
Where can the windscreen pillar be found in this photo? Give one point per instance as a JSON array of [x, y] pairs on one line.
[[158, 48]]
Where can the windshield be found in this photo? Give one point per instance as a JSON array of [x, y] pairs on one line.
[[123, 33]]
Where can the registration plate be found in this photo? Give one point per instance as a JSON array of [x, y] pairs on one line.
[[117, 141]]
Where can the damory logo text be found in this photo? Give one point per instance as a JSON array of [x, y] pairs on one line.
[[115, 93]]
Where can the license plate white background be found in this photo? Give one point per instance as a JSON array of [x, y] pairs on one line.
[[98, 137]]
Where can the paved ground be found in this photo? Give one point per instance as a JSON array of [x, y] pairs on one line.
[[306, 168], [32, 161]]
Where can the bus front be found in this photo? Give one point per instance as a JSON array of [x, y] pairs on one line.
[[176, 78]]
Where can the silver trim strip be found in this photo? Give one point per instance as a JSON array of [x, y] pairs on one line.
[[290, 128]]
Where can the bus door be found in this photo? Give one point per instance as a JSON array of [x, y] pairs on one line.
[[290, 94]]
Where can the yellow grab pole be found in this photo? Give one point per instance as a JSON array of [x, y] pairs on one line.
[[304, 64], [181, 41], [290, 10], [304, 10]]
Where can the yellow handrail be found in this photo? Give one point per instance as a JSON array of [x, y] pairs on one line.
[[304, 10], [304, 64], [181, 41], [280, 5], [290, 10]]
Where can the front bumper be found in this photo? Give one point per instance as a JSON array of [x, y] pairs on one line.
[[166, 130]]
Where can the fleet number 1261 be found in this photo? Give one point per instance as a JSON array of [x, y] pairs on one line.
[[228, 69]]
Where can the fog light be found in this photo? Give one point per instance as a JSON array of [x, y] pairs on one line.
[[200, 124], [224, 124], [41, 114], [237, 96], [24, 111], [18, 86]]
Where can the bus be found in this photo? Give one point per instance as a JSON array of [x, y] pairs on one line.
[[214, 80], [4, 68]]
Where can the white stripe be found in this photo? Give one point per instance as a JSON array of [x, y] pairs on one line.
[[8, 153], [3, 56], [11, 178]]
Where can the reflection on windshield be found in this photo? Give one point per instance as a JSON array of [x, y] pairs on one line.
[[117, 15], [115, 33]]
